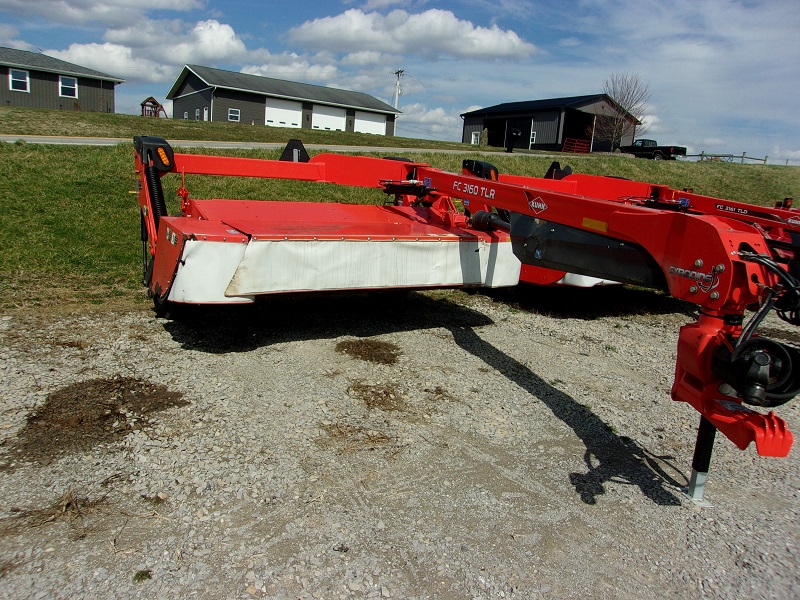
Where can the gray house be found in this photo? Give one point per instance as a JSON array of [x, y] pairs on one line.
[[546, 124], [35, 80], [202, 93]]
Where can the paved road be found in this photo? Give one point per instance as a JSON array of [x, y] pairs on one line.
[[102, 141], [47, 139]]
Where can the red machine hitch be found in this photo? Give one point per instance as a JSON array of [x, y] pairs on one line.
[[722, 256], [634, 232]]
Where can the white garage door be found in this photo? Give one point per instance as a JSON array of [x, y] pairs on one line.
[[328, 117], [370, 123], [283, 113]]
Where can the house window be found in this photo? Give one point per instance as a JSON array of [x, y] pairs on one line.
[[233, 115], [19, 81], [67, 87], [196, 114]]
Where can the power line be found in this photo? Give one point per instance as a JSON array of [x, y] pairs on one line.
[[397, 89]]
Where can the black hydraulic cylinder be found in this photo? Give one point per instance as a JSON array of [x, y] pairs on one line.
[[484, 221], [553, 246], [706, 432]]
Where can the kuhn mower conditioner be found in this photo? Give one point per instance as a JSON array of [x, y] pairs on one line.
[[479, 228]]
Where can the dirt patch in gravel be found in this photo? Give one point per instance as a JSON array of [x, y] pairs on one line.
[[85, 414], [375, 351], [6, 567], [345, 438], [71, 507], [382, 396]]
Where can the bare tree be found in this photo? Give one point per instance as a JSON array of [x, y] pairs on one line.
[[629, 95]]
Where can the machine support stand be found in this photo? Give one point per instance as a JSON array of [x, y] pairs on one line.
[[701, 461]]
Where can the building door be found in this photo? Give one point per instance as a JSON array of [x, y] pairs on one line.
[[476, 138], [496, 132], [533, 140], [205, 113], [330, 118], [370, 123], [283, 113]]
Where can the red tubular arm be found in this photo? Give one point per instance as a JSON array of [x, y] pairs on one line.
[[700, 258], [687, 247]]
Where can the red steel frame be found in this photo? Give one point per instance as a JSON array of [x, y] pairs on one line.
[[694, 239]]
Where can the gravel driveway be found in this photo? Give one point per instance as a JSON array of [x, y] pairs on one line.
[[520, 444]]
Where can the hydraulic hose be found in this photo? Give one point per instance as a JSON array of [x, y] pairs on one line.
[[156, 192], [484, 221]]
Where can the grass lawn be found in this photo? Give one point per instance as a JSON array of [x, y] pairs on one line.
[[30, 121], [69, 224]]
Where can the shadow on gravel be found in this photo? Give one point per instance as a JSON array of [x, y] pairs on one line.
[[293, 318], [608, 457], [618, 459], [590, 303], [241, 328]]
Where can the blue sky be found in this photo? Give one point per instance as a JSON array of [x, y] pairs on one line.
[[724, 74]]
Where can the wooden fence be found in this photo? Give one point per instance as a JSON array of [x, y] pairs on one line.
[[727, 157]]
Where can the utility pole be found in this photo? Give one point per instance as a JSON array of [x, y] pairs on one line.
[[399, 74]]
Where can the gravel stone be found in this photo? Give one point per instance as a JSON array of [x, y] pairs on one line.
[[458, 446]]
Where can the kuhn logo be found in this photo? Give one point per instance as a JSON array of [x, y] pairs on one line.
[[537, 205], [705, 281], [794, 221]]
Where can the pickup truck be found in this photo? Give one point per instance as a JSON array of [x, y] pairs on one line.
[[650, 149]]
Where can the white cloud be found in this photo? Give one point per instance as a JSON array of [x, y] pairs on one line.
[[408, 85], [652, 124], [209, 41], [148, 34], [154, 50], [8, 39], [376, 82], [432, 33], [719, 69], [380, 4], [781, 155], [419, 113], [418, 120], [108, 12], [362, 58], [717, 56], [115, 60], [167, 104], [569, 42], [293, 67], [170, 42]]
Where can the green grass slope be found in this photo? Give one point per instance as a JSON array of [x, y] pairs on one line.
[[69, 224], [28, 121]]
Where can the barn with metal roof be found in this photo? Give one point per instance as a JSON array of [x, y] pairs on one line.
[[208, 94], [35, 80], [552, 124]]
